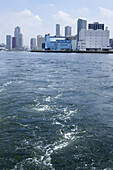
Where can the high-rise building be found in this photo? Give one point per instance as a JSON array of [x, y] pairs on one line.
[[68, 31], [96, 26], [17, 31], [19, 37], [57, 29], [33, 44], [40, 42], [81, 24], [14, 42], [8, 42], [20, 41]]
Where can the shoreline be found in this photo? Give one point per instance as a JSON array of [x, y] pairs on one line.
[[66, 51]]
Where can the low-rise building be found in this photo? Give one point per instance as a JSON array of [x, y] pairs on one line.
[[93, 39], [57, 43]]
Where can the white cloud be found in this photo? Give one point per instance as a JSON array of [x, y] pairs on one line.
[[27, 13], [80, 11], [63, 18], [51, 5], [107, 13], [106, 16]]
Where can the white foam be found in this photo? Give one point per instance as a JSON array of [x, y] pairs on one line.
[[1, 89], [6, 84], [67, 135], [41, 88], [44, 108], [60, 146], [48, 99], [59, 95]]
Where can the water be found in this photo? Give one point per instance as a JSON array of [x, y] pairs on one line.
[[56, 111]]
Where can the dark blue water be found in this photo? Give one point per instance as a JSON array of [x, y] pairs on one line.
[[56, 111]]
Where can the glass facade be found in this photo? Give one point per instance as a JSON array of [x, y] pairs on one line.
[[8, 42], [96, 26], [47, 42], [57, 29]]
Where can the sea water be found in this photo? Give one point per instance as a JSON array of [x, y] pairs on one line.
[[56, 111]]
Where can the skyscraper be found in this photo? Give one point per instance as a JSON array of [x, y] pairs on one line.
[[17, 31], [8, 42], [81, 24], [57, 29], [33, 44], [19, 38], [67, 31], [14, 42]]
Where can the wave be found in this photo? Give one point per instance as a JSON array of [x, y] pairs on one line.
[[5, 85]]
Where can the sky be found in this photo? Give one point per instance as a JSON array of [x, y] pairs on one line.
[[39, 17]]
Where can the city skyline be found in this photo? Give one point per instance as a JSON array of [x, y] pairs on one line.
[[39, 18]]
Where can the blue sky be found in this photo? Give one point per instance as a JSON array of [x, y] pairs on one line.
[[37, 17]]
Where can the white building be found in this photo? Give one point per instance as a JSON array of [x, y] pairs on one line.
[[74, 44], [93, 39], [40, 42], [33, 44]]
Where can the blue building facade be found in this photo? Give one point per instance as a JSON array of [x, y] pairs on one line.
[[57, 43], [47, 42]]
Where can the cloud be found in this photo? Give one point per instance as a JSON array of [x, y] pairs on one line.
[[80, 11], [51, 5], [106, 12], [106, 16], [63, 17], [27, 13]]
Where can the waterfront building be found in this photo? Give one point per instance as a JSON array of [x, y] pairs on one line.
[[8, 42], [111, 43], [20, 41], [57, 43], [73, 41], [93, 39], [19, 38], [74, 44], [67, 31], [14, 42], [81, 24], [96, 26], [63, 45], [17, 31], [40, 42], [57, 29], [33, 43], [47, 42]]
